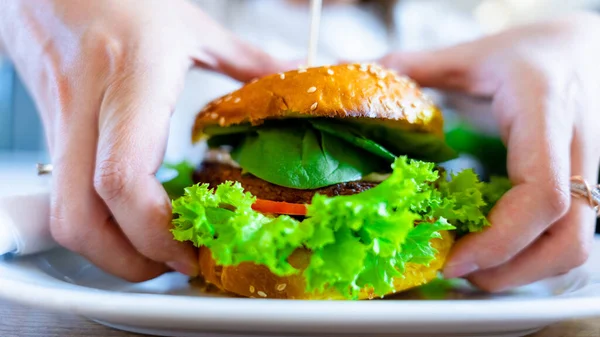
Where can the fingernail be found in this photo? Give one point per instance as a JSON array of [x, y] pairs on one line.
[[459, 269], [188, 269]]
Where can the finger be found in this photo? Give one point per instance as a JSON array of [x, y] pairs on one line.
[[538, 165], [134, 124], [219, 50], [456, 68], [79, 219], [566, 245]]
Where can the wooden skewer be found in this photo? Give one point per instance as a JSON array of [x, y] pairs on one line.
[[315, 21]]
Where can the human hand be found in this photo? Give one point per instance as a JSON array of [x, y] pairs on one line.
[[543, 82], [105, 76]]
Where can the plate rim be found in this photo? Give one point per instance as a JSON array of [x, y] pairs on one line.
[[74, 298]]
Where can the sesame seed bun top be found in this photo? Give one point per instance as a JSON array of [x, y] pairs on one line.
[[361, 91]]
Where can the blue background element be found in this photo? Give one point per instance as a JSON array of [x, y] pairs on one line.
[[20, 126]]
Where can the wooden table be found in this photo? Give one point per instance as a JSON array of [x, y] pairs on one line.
[[18, 321]]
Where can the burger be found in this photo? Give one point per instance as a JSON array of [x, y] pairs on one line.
[[325, 183]]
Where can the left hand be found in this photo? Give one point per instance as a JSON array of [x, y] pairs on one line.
[[543, 82]]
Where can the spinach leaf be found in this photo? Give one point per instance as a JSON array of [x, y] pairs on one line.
[[413, 144], [302, 157], [371, 135], [350, 135], [489, 150], [217, 130], [232, 140]]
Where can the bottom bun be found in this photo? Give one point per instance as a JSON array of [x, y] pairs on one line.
[[257, 281]]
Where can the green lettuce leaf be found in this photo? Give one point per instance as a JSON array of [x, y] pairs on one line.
[[494, 190], [417, 247], [360, 236], [303, 158], [223, 221], [466, 201], [357, 241]]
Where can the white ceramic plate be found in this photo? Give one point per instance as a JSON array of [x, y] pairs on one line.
[[169, 306]]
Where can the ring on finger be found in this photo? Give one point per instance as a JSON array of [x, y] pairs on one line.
[[580, 188]]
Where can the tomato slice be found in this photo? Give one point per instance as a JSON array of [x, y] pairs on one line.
[[278, 207]]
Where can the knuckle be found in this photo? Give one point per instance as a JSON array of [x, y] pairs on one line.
[[111, 178], [579, 257], [558, 200], [104, 46], [578, 254], [62, 232], [496, 254], [153, 244], [488, 284]]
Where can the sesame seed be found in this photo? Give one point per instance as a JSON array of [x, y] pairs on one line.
[[380, 83], [219, 101], [261, 294], [281, 287], [314, 106], [214, 115], [254, 80], [330, 72], [282, 76], [301, 70], [252, 289], [222, 120], [352, 94], [413, 105], [351, 67], [311, 90], [237, 100], [228, 98]]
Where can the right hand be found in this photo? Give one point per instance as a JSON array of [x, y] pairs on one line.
[[105, 76]]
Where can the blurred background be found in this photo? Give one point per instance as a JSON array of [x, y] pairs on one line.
[[357, 30], [363, 31]]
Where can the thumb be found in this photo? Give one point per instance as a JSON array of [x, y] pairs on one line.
[[219, 50], [455, 68]]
